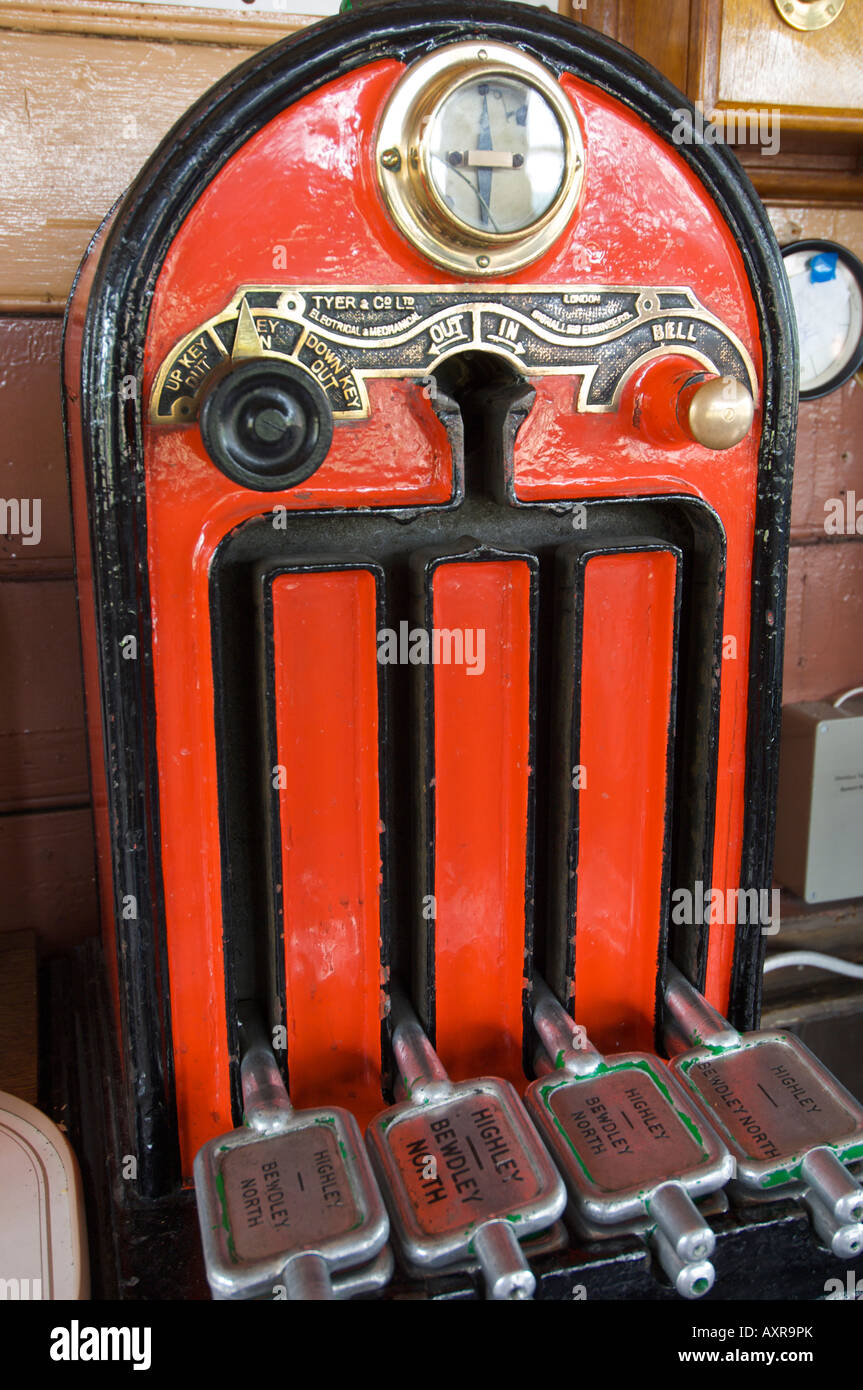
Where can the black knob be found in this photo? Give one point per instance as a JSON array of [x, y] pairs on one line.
[[267, 424]]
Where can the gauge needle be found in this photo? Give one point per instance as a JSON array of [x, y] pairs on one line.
[[483, 173], [492, 159]]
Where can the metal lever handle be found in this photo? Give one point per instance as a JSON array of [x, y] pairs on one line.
[[691, 1018], [306, 1278], [834, 1199], [507, 1273], [421, 1073], [565, 1043], [542, 1063], [677, 1216], [683, 1241], [690, 1280], [266, 1104]]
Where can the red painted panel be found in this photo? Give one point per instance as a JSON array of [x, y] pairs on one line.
[[308, 176], [326, 685], [553, 444], [481, 771], [626, 682]]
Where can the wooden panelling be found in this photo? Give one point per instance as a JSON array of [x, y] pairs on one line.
[[249, 28], [47, 876], [664, 45], [824, 637], [19, 1040], [33, 459], [80, 116], [637, 25], [813, 176], [745, 55], [688, 46], [823, 646], [843, 224], [43, 758], [829, 461]]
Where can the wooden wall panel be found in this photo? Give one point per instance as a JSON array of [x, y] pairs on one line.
[[764, 62], [43, 759], [843, 224], [19, 1036], [42, 749], [252, 28], [746, 56], [824, 634], [33, 458], [829, 461], [662, 41], [80, 116], [48, 878]]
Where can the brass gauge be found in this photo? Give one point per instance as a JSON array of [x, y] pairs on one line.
[[480, 158]]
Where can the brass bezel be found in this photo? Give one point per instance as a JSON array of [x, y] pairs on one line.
[[409, 191], [817, 14]]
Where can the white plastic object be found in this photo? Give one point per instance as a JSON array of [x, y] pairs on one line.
[[43, 1244]]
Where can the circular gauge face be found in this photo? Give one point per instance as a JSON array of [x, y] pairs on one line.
[[827, 289], [480, 158], [496, 154]]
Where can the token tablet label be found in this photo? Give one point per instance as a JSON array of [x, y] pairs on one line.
[[286, 1192], [771, 1102], [462, 1163], [624, 1130]]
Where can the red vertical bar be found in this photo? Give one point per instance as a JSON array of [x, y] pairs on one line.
[[482, 774], [325, 669], [627, 679]]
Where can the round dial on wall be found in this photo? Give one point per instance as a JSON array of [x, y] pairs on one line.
[[827, 288], [480, 158]]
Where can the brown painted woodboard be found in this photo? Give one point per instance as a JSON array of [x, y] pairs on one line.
[[43, 760], [19, 1040], [47, 876], [824, 631], [636, 24], [32, 452]]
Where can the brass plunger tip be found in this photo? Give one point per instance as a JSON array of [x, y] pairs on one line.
[[721, 412]]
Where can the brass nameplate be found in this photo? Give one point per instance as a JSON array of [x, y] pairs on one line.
[[344, 335]]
